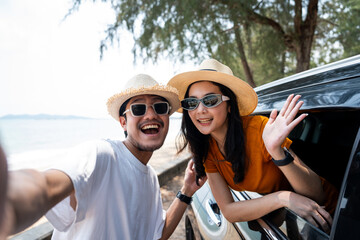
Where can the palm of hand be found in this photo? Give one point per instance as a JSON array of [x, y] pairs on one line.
[[279, 126]]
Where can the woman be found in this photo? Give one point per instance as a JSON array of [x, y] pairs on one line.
[[246, 152]]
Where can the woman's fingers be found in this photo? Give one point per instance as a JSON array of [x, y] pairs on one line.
[[311, 220], [295, 122], [286, 105], [318, 221], [326, 218], [291, 114], [322, 222], [290, 111], [292, 102], [311, 211], [291, 108], [272, 116], [326, 215]]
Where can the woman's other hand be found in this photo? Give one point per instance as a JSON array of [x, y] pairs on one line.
[[307, 209]]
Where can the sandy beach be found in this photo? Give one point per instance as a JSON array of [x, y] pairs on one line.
[[166, 156]]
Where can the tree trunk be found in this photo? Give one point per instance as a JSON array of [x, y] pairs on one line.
[[301, 39], [248, 40], [305, 32], [247, 71], [303, 56]]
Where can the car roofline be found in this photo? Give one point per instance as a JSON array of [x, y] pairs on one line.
[[331, 66]]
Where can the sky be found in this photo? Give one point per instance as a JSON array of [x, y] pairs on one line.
[[52, 65]]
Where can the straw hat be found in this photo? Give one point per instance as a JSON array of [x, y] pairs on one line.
[[139, 85], [214, 71]]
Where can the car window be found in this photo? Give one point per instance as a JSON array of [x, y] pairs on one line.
[[324, 141]]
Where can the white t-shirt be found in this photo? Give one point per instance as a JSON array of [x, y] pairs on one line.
[[118, 197]]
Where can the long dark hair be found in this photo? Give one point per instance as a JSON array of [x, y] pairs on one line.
[[199, 143]]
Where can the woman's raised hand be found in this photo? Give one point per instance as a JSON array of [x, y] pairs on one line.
[[280, 125]]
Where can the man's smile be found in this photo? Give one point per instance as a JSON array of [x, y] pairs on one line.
[[152, 127]]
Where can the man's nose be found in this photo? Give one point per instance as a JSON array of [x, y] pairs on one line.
[[150, 113]]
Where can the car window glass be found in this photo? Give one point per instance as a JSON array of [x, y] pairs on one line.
[[347, 217]]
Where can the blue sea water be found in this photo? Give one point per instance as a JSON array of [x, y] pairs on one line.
[[35, 143]]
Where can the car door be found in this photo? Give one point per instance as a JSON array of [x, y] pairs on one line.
[[211, 223], [346, 223]]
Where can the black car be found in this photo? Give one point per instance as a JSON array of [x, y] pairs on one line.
[[327, 140]]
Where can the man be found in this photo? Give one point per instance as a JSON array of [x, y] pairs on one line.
[[4, 226], [105, 189]]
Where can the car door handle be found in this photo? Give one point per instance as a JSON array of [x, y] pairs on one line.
[[213, 211]]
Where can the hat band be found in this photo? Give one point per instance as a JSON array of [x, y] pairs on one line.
[[208, 69]]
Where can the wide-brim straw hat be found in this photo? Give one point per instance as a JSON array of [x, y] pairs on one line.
[[139, 85], [214, 71]]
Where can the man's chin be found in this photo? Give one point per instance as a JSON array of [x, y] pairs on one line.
[[150, 148], [147, 144]]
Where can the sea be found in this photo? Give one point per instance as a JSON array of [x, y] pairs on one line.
[[37, 143]]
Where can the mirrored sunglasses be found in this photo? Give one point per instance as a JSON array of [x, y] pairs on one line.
[[209, 101], [140, 109]]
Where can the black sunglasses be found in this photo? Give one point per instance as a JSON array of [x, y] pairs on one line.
[[140, 109], [209, 101]]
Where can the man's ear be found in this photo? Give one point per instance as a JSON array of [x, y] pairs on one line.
[[122, 121]]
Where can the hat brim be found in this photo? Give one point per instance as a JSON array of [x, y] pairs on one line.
[[246, 96], [169, 93]]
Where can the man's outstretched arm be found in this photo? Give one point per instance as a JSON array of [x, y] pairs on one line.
[[32, 193], [177, 208]]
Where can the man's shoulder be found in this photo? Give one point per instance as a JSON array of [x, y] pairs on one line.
[[107, 146], [99, 147]]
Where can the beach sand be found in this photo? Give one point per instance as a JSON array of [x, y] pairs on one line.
[[166, 157]]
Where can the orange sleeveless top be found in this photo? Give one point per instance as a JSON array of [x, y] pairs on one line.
[[262, 175]]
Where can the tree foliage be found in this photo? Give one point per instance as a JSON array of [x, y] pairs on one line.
[[261, 40]]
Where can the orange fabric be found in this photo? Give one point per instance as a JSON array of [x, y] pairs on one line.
[[332, 195], [262, 175]]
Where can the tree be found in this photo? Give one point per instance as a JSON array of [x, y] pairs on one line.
[[265, 36], [346, 16]]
